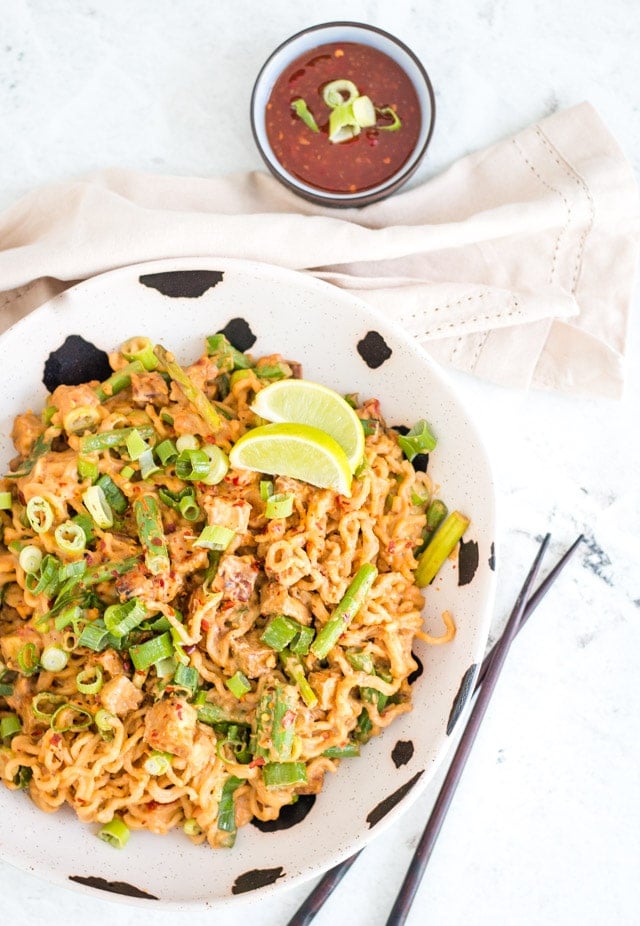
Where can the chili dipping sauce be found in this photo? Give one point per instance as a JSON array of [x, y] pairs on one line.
[[370, 157]]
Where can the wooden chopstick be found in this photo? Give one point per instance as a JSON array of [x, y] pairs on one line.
[[329, 882]]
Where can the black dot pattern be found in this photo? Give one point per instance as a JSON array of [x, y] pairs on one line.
[[182, 284], [374, 350], [75, 361]]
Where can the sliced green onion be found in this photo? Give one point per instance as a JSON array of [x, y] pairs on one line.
[[301, 643], [266, 489], [98, 507], [127, 472], [280, 631], [440, 548], [148, 465], [302, 111], [116, 833], [279, 506], [88, 469], [30, 559], [94, 636], [50, 701], [70, 537], [166, 452], [72, 570], [54, 659], [273, 371], [70, 718], [215, 537], [120, 619], [166, 667], [345, 611], [188, 508], [349, 751], [158, 763], [364, 112], [81, 418], [226, 807], [191, 827], [105, 722], [195, 395], [144, 655], [334, 92], [238, 684], [192, 465], [105, 440], [342, 124], [187, 442], [361, 662], [86, 524], [27, 659], [213, 714], [114, 495], [419, 439], [70, 617], [362, 732], [141, 349], [22, 777], [295, 670], [47, 581], [9, 726], [39, 514], [6, 501], [436, 513], [151, 534], [89, 681], [218, 465], [186, 677], [136, 445], [236, 360], [284, 774], [392, 114]]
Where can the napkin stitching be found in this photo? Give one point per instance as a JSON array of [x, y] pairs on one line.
[[572, 174], [514, 309], [567, 205]]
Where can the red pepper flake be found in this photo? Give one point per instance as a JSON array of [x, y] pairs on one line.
[[206, 626], [258, 762], [179, 709], [152, 805], [156, 542], [56, 739]]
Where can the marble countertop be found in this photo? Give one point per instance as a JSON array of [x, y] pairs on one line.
[[545, 826]]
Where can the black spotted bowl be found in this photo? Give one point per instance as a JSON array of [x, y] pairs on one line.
[[347, 346]]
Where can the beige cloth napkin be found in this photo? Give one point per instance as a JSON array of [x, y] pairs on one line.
[[516, 264]]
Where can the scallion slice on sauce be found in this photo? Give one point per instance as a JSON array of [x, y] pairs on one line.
[[396, 122], [302, 111], [337, 92]]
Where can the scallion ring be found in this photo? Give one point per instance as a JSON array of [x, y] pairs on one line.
[[116, 833], [30, 559], [158, 763], [70, 537], [39, 514], [70, 718], [98, 507], [219, 465], [54, 659], [337, 92], [89, 680]]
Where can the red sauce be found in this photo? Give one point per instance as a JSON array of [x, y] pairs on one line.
[[369, 158]]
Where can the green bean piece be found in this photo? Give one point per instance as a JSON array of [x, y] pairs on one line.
[[436, 513], [351, 750], [151, 534], [440, 548], [195, 395], [345, 611], [284, 774]]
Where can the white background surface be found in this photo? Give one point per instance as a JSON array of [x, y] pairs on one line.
[[545, 827]]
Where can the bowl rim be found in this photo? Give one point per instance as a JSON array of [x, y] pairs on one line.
[[381, 190]]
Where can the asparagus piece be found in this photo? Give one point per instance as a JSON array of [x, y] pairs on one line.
[[195, 395], [440, 547], [345, 611], [151, 534], [295, 670]]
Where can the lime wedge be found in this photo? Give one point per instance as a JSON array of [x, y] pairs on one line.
[[295, 450], [302, 402]]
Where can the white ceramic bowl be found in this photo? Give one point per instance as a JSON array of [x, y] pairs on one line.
[[328, 33], [345, 345]]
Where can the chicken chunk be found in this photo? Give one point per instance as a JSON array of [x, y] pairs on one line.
[[26, 430], [170, 726], [119, 696], [236, 577], [252, 656], [275, 599], [149, 388], [227, 512]]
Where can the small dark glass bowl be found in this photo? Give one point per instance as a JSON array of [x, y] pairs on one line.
[[322, 34]]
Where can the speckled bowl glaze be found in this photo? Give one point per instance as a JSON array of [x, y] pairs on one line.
[[343, 344], [326, 33]]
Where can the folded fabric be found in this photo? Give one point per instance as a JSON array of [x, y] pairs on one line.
[[516, 264]]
